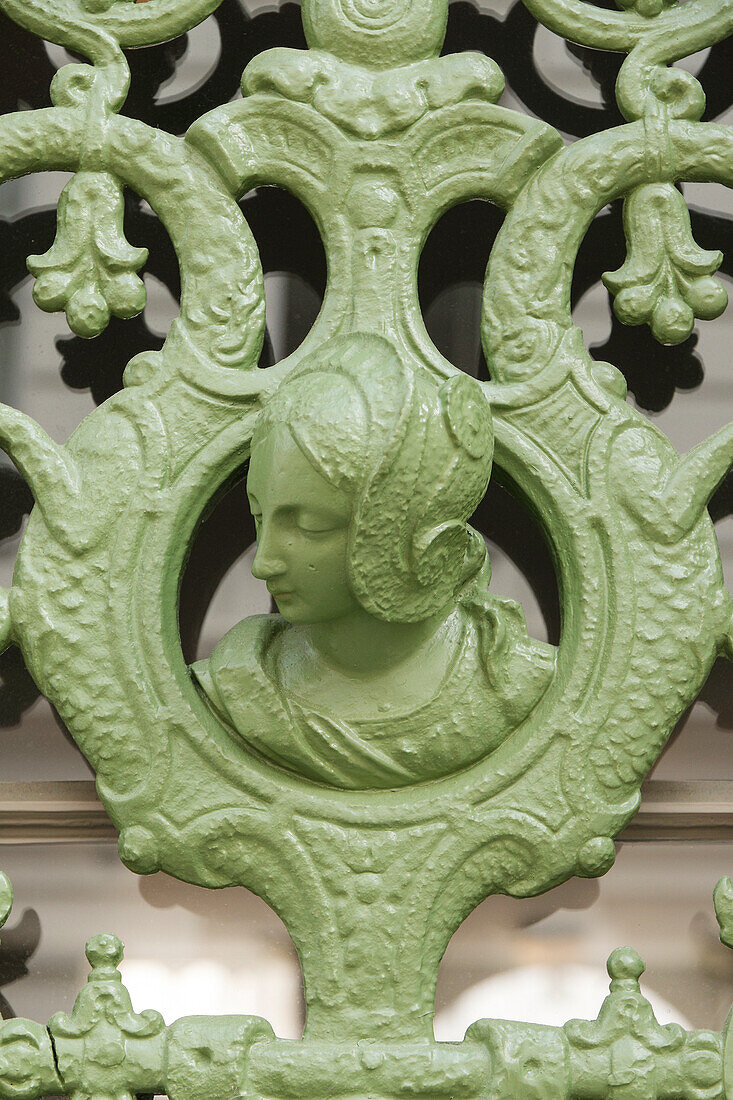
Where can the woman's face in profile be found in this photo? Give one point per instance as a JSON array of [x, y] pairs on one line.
[[302, 532]]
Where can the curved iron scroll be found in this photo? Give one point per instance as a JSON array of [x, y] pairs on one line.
[[378, 136]]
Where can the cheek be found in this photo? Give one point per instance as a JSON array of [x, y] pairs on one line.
[[326, 563]]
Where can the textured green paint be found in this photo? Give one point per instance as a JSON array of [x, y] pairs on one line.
[[666, 280], [393, 747], [390, 663], [105, 1049], [90, 270]]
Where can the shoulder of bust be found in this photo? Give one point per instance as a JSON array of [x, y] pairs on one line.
[[246, 642], [512, 659], [234, 677]]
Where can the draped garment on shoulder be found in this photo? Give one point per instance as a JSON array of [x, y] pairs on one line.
[[495, 676]]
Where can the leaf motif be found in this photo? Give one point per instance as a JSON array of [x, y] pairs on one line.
[[90, 270], [666, 280]]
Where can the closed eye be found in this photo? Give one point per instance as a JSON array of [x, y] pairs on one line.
[[318, 524], [312, 530]]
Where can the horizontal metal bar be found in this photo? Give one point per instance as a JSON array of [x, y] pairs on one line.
[[66, 812], [52, 812], [698, 809]]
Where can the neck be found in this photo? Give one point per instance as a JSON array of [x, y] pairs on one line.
[[360, 643]]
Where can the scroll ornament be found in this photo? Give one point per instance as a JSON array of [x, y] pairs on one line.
[[393, 746]]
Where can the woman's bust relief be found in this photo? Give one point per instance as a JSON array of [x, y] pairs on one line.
[[389, 663]]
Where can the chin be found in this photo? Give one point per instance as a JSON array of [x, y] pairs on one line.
[[299, 614], [291, 610]]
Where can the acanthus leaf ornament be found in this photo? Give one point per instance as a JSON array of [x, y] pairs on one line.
[[393, 746]]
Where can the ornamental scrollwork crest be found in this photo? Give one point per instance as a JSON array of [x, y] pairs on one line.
[[393, 746]]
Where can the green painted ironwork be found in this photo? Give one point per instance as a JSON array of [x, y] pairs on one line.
[[392, 747]]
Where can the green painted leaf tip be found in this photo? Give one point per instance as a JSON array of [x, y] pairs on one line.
[[666, 281], [51, 474], [726, 644], [6, 621], [679, 502], [6, 898], [723, 901]]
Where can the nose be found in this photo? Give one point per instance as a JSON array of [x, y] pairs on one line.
[[268, 562]]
